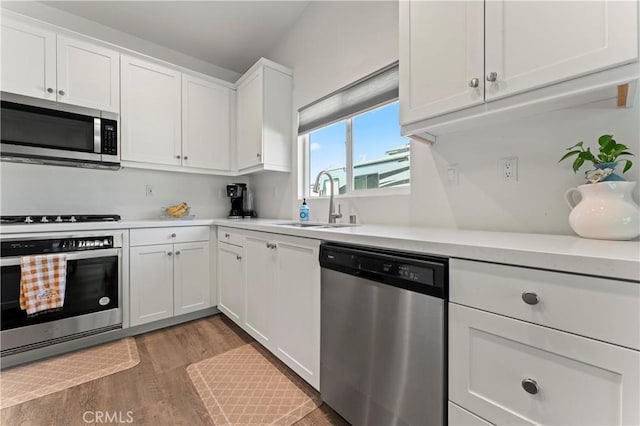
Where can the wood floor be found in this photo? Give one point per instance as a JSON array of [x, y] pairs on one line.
[[157, 391]]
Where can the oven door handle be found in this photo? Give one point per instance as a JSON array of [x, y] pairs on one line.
[[89, 254]]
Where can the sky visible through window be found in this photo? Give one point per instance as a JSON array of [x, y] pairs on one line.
[[375, 132], [327, 149]]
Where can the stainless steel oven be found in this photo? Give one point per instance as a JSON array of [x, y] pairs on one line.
[[93, 299]]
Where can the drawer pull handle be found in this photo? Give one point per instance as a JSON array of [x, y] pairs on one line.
[[530, 298], [173, 235], [238, 257], [530, 386], [169, 253], [226, 235]]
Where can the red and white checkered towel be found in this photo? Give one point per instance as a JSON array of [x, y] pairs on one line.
[[42, 282]]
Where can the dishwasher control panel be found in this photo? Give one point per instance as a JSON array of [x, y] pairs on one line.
[[412, 271]]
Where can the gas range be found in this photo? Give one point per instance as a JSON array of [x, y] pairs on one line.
[[53, 219]]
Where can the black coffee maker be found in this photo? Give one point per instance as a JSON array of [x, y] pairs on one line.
[[238, 194]]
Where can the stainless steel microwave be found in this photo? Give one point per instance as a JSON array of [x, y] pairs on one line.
[[31, 134]]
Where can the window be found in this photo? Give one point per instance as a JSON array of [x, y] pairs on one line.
[[380, 154], [327, 152], [354, 135]]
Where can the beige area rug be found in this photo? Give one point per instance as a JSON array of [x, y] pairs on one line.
[[31, 381], [248, 386]]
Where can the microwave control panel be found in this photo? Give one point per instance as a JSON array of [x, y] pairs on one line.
[[109, 137]]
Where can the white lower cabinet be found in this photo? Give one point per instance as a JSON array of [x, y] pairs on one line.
[[151, 283], [168, 279], [260, 257], [270, 286], [460, 417], [520, 370], [231, 281], [297, 306], [191, 289]]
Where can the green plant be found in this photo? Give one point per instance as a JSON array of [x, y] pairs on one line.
[[610, 150]]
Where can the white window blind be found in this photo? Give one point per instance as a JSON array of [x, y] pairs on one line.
[[368, 92]]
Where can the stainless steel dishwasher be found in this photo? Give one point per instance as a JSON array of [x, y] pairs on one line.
[[383, 335]]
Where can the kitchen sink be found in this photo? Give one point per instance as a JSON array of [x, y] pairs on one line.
[[315, 225]]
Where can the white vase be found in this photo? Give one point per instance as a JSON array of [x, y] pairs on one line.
[[605, 211]]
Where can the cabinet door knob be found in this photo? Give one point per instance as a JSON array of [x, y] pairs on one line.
[[530, 386], [226, 235], [49, 90], [238, 257], [258, 154], [173, 235], [169, 253], [530, 298], [186, 158], [492, 76], [178, 253], [474, 82], [178, 157], [61, 92]]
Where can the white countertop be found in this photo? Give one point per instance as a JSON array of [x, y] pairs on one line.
[[614, 259]]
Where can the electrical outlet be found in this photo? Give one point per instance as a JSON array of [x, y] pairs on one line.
[[452, 174], [149, 190], [508, 169]]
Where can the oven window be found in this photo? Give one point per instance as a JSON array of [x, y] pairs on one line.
[[56, 130], [92, 286]]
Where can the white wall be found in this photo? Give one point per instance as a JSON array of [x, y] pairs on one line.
[[335, 43], [43, 12], [37, 189]]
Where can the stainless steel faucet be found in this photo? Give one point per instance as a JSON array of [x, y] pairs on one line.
[[316, 188]]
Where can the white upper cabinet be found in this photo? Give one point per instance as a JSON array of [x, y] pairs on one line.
[[530, 43], [442, 59], [28, 60], [38, 63], [206, 122], [88, 75], [264, 118], [460, 54], [250, 121], [151, 112]]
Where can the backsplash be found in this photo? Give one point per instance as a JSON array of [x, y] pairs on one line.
[[36, 189]]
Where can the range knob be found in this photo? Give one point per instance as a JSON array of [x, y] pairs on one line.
[[98, 243], [58, 219], [105, 242], [28, 220], [44, 219], [72, 219]]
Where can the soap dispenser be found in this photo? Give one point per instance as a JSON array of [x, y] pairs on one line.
[[304, 211]]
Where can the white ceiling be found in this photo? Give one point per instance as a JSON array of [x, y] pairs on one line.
[[229, 34]]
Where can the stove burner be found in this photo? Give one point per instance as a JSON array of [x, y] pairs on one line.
[[20, 220]]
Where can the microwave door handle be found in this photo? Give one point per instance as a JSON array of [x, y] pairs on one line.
[[97, 133], [92, 254]]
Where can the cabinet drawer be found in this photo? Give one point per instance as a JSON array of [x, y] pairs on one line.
[[604, 309], [579, 381], [231, 236], [174, 234], [460, 417]]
